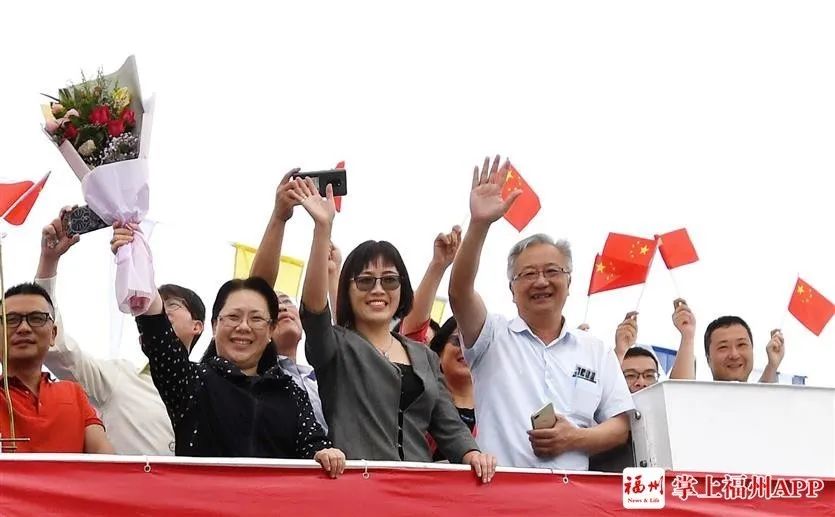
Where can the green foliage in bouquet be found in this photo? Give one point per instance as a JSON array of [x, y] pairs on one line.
[[96, 119]]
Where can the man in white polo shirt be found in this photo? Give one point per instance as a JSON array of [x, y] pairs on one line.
[[520, 365]]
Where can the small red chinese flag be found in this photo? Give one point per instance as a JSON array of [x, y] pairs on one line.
[[610, 273], [11, 192], [18, 210], [676, 249], [628, 248], [337, 200], [526, 205], [810, 307]]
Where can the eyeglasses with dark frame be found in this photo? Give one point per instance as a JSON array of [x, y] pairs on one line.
[[367, 282], [34, 319], [174, 304], [455, 339], [532, 275], [632, 376]]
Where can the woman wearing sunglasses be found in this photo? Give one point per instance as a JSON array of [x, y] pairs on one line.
[[381, 393]]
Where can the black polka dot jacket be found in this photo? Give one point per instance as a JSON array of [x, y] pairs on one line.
[[217, 410]]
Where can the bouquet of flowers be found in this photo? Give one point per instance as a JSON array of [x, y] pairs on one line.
[[96, 120], [102, 128]]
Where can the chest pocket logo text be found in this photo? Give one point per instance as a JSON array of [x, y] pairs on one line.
[[585, 374]]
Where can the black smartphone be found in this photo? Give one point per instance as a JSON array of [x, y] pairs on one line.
[[82, 220], [322, 179]]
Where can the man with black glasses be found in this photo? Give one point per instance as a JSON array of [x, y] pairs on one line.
[[640, 368], [48, 415]]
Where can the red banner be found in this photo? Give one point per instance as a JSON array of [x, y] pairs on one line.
[[79, 487]]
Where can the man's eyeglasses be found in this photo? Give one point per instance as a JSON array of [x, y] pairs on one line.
[[632, 376], [174, 304], [367, 282], [454, 340], [33, 319], [530, 276], [234, 320]]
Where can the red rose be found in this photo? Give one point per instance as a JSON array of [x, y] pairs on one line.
[[116, 127], [70, 131], [100, 115], [128, 117]]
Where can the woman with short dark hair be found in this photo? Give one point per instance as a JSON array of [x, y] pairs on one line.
[[381, 393], [225, 406]]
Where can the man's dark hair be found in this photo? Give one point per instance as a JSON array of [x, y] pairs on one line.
[[639, 351], [724, 322], [194, 304], [31, 288]]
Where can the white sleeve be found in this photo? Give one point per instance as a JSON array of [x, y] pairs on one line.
[[615, 398], [67, 361], [492, 324]]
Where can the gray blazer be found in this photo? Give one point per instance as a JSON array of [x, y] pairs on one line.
[[360, 391]]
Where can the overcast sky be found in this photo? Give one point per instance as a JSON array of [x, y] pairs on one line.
[[634, 117]]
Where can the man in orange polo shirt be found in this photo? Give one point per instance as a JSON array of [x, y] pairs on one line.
[[54, 415]]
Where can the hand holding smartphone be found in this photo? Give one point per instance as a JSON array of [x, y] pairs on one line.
[[336, 177], [545, 418], [82, 220]]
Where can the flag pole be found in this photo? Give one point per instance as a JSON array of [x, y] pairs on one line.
[[786, 311], [586, 315], [644, 285], [649, 267], [6, 391], [5, 362], [675, 284], [640, 297], [464, 223]]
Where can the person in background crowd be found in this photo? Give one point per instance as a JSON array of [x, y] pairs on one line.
[[286, 338], [288, 330], [640, 368], [224, 406], [381, 393], [684, 366], [418, 325], [55, 416], [447, 344], [521, 365], [131, 408], [730, 351]]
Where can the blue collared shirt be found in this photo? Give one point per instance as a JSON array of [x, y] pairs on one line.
[[305, 377]]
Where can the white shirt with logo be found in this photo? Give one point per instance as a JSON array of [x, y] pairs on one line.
[[516, 374]]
